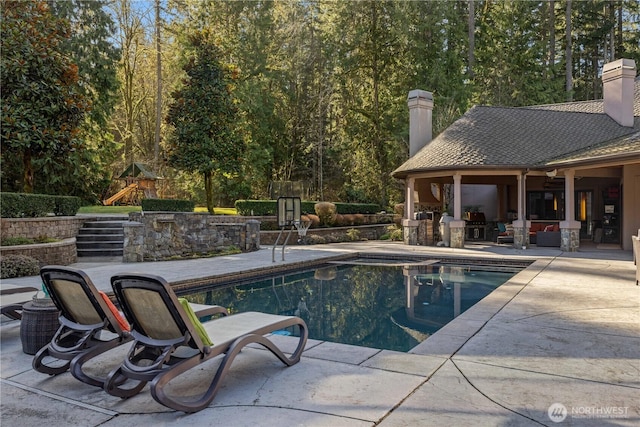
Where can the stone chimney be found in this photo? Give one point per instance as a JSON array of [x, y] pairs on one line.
[[617, 82], [420, 122]]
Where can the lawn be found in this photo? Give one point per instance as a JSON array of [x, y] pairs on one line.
[[98, 209]]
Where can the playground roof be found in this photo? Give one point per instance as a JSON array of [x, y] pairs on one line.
[[138, 169]]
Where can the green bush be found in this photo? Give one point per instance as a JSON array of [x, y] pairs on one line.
[[23, 205], [18, 266], [256, 207], [16, 241], [269, 207], [357, 208], [67, 205], [167, 205]]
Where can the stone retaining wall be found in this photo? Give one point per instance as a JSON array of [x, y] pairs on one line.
[[365, 232], [57, 253], [152, 236], [58, 227]]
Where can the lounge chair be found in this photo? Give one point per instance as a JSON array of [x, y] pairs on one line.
[[13, 298], [164, 331], [89, 326]]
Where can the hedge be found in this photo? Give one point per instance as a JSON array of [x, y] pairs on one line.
[[25, 205], [167, 205], [269, 207]]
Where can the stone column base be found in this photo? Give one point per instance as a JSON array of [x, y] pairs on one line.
[[569, 236], [410, 231], [521, 234], [456, 230]]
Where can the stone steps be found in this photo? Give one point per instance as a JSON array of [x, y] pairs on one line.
[[101, 238]]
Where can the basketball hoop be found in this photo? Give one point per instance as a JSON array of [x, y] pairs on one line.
[[302, 227]]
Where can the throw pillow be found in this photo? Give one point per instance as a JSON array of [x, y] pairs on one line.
[[196, 322]]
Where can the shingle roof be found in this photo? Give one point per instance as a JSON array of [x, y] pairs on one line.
[[490, 137]]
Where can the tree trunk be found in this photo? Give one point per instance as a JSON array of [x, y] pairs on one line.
[[472, 31], [28, 176], [208, 188], [552, 34], [156, 145], [568, 56]]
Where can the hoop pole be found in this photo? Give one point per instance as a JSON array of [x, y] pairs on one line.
[[273, 251]]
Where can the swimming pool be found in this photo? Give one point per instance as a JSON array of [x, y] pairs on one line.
[[391, 305]]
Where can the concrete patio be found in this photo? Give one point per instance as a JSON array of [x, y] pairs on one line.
[[559, 344]]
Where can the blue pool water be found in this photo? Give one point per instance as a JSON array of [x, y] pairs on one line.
[[390, 306]]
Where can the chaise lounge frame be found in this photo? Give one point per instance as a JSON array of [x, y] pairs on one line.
[[87, 325], [163, 331], [13, 298]]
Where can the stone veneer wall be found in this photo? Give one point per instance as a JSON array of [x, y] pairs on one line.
[[368, 232], [57, 253], [152, 236], [59, 227]]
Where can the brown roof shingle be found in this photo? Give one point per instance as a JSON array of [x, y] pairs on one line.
[[489, 137]]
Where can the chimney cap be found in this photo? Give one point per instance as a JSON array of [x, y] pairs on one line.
[[618, 66], [418, 93]]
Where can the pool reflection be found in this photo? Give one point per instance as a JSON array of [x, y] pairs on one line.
[[388, 307]]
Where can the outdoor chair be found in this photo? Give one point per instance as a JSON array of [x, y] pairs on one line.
[[89, 324], [169, 340], [13, 298]]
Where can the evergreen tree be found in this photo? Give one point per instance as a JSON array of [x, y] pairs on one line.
[[43, 102], [203, 116]]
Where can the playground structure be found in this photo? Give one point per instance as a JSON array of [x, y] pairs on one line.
[[140, 183]]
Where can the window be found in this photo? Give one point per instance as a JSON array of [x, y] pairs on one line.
[[545, 205]]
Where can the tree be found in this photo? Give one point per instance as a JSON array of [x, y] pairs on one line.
[[203, 116], [85, 173], [43, 104]]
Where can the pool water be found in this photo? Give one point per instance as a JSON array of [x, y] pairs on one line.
[[393, 307]]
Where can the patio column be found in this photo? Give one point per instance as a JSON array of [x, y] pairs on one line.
[[456, 227], [409, 224], [569, 228], [521, 225]]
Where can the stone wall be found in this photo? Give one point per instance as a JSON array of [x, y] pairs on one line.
[[365, 232], [58, 227], [57, 253], [152, 236]]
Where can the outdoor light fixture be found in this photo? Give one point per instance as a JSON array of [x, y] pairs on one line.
[[552, 173]]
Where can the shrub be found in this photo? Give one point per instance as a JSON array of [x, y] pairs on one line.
[[18, 266], [23, 205], [67, 205], [326, 211], [398, 213], [256, 207], [353, 234], [395, 233], [168, 205], [315, 220], [16, 241], [357, 208], [314, 239], [349, 219]]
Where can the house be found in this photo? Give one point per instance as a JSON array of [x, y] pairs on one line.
[[574, 165]]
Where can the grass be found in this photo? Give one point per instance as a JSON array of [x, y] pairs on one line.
[[98, 209]]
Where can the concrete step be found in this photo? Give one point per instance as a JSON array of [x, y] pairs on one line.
[[100, 253], [107, 244], [101, 239]]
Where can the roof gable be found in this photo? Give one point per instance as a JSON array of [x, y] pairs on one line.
[[505, 137]]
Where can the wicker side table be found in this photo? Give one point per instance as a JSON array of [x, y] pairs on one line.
[[38, 325]]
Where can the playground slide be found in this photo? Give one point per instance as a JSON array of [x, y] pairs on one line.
[[120, 194]]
